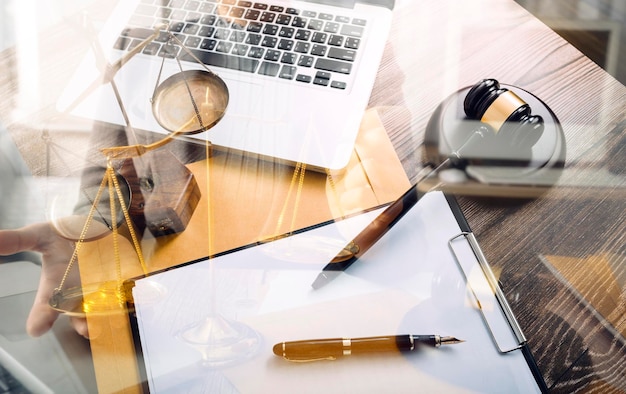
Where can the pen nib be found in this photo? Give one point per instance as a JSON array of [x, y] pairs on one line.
[[324, 278], [450, 340]]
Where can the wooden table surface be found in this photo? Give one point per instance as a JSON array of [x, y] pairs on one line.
[[561, 257], [575, 325]]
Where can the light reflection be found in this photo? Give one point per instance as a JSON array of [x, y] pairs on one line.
[[28, 95]]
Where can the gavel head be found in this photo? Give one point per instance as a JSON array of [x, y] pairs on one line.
[[507, 115]]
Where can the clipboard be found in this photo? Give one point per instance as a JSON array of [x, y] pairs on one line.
[[438, 282]]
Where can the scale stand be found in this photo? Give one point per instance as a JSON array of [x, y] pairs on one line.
[[219, 340]]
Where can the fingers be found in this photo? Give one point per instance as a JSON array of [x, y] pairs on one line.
[[41, 317], [23, 239], [56, 252], [80, 325]]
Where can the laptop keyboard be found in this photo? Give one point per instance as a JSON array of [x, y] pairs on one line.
[[292, 44], [9, 384]]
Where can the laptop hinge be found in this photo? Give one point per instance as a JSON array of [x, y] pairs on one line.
[[350, 3], [381, 3]]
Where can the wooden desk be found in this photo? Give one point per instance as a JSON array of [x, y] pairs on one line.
[[437, 47], [575, 348]]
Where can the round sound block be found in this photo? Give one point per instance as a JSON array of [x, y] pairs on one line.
[[449, 128]]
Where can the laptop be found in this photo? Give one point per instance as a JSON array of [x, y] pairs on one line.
[[57, 362], [299, 73]]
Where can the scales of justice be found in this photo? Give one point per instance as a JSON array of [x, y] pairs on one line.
[[219, 340]]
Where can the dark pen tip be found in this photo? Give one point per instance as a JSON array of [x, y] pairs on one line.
[[324, 278]]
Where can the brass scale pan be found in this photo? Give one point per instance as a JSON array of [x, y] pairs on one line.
[[209, 98]]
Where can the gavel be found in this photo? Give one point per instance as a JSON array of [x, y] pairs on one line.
[[509, 118]]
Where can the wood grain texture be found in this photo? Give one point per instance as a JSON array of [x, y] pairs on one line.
[[453, 46]]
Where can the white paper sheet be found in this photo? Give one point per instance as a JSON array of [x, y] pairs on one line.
[[408, 283]]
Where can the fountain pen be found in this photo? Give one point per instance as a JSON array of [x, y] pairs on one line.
[[334, 348]]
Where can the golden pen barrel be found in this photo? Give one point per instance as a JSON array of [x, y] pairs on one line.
[[333, 348], [309, 350]]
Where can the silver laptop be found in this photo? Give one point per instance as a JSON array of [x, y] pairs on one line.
[[299, 73]]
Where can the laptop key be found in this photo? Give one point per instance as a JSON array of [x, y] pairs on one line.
[[240, 49], [288, 58], [152, 48], [333, 65], [331, 27], [222, 60], [335, 40], [256, 52], [252, 14], [321, 81], [269, 42], [237, 12], [287, 72], [342, 54], [351, 30], [272, 55], [206, 8], [283, 19], [302, 47], [208, 44], [299, 22], [176, 27], [286, 45], [352, 43], [269, 68], [318, 50], [122, 43], [303, 78], [137, 32], [208, 20], [253, 39], [319, 38], [322, 75], [224, 47], [268, 17], [254, 27], [206, 31], [169, 51]]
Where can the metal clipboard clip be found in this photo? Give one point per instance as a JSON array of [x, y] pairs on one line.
[[494, 289]]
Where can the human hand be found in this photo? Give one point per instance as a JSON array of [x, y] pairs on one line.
[[56, 253]]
